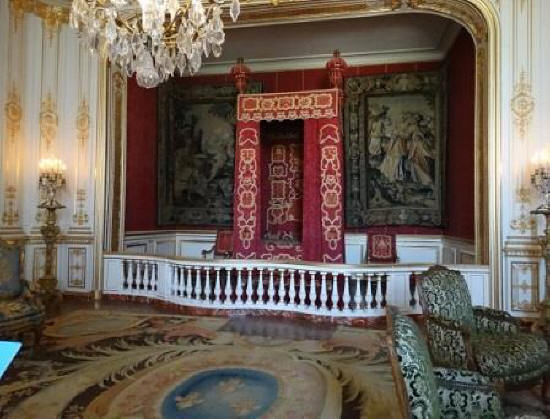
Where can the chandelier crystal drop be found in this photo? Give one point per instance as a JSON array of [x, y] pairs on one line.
[[153, 38]]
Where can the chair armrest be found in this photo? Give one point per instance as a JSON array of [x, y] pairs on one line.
[[450, 344], [461, 376], [489, 320], [475, 400]]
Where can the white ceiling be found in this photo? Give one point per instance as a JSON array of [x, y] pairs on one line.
[[391, 38], [367, 40]]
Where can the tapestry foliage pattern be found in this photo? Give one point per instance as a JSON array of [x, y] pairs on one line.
[[196, 153]]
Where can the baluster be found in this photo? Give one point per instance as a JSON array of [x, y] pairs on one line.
[[198, 282], [357, 296], [182, 281], [302, 291], [138, 275], [335, 298], [173, 280], [312, 289], [281, 292], [271, 288], [324, 295], [207, 286], [155, 276], [374, 290], [146, 277], [291, 288], [260, 291], [346, 296], [412, 289], [383, 288], [249, 289], [227, 290], [217, 287], [125, 271], [189, 283], [368, 293], [239, 287]]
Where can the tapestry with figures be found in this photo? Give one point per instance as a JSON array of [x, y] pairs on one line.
[[196, 153], [395, 129]]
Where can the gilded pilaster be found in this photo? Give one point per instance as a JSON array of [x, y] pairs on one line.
[[12, 115], [522, 107]]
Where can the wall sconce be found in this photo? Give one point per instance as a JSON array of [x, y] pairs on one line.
[[51, 179], [540, 179]]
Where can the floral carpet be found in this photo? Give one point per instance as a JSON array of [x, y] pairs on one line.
[[103, 364]]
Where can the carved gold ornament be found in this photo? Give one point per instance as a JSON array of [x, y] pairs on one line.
[[48, 122], [80, 217], [522, 105], [10, 216], [52, 16], [83, 122], [525, 222], [13, 114]]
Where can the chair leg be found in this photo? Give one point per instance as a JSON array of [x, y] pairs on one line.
[[545, 386]]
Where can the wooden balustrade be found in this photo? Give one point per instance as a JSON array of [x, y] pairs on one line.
[[310, 288]]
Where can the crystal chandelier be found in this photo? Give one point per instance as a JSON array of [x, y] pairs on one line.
[[153, 38]]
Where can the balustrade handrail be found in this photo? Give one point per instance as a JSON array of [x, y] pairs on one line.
[[250, 284], [339, 268]]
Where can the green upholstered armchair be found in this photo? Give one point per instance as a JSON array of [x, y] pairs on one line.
[[20, 310], [482, 339], [427, 392]]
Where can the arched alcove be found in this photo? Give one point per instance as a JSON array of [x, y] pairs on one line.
[[481, 21]]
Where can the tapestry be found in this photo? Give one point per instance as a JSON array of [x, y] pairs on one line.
[[395, 129], [196, 153]]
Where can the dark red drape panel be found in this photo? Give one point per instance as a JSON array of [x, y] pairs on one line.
[[331, 188], [247, 195], [312, 197]]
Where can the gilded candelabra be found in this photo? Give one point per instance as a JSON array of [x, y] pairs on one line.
[[52, 178], [540, 179]]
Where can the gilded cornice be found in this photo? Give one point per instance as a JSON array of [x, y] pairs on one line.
[[257, 12], [52, 15], [463, 11]]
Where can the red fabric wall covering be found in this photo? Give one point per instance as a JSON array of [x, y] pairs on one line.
[[460, 200], [141, 188], [141, 159]]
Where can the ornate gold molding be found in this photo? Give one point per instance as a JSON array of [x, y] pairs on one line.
[[48, 122], [522, 105], [83, 123], [80, 216], [525, 221], [524, 247], [13, 114], [461, 10], [52, 15], [524, 285]]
